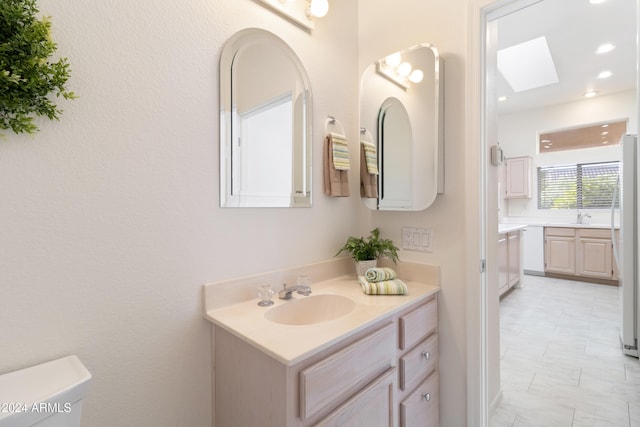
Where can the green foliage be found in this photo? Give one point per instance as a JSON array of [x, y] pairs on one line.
[[27, 77], [372, 248]]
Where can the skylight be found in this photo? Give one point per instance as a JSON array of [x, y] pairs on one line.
[[527, 65]]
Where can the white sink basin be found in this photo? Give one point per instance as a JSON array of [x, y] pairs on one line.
[[311, 310]]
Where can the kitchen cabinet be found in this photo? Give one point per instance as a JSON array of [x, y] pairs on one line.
[[560, 250], [382, 376], [594, 253], [509, 260], [580, 252], [518, 177]]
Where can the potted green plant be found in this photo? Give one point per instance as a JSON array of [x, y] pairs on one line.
[[29, 77], [367, 251]]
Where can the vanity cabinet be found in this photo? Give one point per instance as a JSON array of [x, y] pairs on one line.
[[382, 376], [580, 252], [518, 177]]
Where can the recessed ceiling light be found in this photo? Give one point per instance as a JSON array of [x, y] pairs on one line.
[[604, 133], [527, 65], [605, 74], [502, 98], [604, 48], [605, 142], [590, 94], [605, 126], [597, 1]]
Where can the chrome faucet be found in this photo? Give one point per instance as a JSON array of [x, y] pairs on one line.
[[285, 293], [582, 217]]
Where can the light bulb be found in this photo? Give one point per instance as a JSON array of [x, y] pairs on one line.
[[393, 60], [318, 8], [607, 47], [605, 74], [404, 69], [416, 76]]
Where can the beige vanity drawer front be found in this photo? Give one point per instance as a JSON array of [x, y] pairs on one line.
[[416, 365], [421, 407], [417, 325], [332, 380], [374, 406]]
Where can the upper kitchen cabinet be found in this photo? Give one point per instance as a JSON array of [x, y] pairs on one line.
[[518, 177]]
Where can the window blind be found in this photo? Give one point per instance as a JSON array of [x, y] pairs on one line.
[[580, 186]]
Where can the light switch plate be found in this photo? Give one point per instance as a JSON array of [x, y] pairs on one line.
[[417, 239]]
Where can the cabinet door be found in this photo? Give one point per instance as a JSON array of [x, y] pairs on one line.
[[560, 255], [374, 406], [518, 177], [513, 245], [594, 258], [421, 407], [503, 264]]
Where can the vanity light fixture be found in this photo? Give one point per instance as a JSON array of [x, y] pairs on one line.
[[398, 71], [302, 12]]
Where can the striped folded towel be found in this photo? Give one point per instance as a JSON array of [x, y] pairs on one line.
[[371, 157], [386, 287], [380, 274], [340, 149]]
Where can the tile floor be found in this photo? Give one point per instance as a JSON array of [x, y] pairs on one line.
[[561, 363]]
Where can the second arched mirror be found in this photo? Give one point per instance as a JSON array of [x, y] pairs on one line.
[[401, 113]]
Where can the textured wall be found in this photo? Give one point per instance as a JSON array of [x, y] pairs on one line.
[[109, 219]]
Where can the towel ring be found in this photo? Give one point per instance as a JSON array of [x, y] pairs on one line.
[[332, 122], [365, 135]]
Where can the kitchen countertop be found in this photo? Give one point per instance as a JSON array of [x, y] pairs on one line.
[[292, 343], [506, 228]]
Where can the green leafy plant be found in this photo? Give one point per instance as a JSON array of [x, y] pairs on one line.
[[373, 247], [27, 77]]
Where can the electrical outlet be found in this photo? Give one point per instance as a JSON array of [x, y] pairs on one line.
[[417, 239]]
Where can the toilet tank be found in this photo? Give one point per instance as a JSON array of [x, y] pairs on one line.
[[46, 395]]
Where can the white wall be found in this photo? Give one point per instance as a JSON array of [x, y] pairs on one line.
[[109, 221], [443, 24], [109, 218], [518, 134]]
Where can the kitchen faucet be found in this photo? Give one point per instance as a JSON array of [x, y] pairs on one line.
[[285, 293]]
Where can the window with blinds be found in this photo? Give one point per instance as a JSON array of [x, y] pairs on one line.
[[581, 186]]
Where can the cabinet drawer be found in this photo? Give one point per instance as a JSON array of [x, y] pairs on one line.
[[560, 231], [417, 325], [421, 407], [596, 233], [374, 406], [416, 365], [332, 380]]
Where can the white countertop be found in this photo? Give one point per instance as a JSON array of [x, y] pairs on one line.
[[291, 344], [506, 228]]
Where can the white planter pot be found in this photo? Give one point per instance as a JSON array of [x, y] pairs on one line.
[[363, 266]]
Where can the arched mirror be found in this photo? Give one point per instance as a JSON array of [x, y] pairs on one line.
[[265, 123], [401, 114]]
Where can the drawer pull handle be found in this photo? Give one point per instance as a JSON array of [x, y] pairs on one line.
[[426, 355], [426, 396]]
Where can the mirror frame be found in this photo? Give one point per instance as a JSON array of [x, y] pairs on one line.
[[301, 196]]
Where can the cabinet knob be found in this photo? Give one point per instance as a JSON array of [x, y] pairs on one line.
[[426, 355], [426, 396]]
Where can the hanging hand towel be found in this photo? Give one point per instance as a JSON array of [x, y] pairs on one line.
[[370, 156], [368, 181], [340, 151], [380, 274], [386, 287], [336, 182]]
